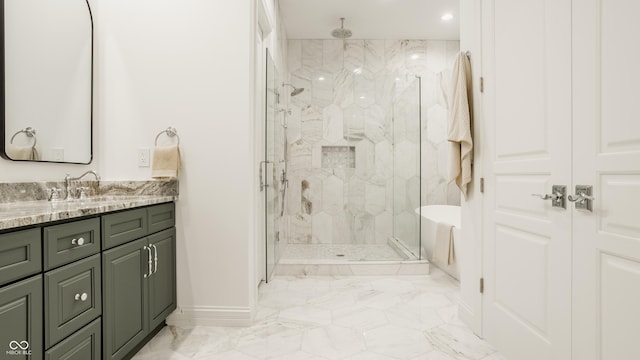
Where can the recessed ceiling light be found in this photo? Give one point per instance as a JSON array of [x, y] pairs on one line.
[[362, 97], [446, 17], [415, 56], [357, 71], [321, 78]]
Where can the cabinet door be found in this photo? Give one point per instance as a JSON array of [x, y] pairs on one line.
[[21, 319], [73, 298], [162, 283], [125, 317]]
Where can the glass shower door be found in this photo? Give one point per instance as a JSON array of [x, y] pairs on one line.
[[269, 181], [407, 127]]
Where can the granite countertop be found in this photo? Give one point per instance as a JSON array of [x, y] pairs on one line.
[[36, 212], [31, 209]]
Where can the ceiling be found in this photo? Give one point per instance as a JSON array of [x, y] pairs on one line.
[[371, 19]]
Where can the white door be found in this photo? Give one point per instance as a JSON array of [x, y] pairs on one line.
[[527, 242], [606, 137]]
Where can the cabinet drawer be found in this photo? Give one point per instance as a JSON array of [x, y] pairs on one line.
[[68, 242], [73, 298], [21, 317], [123, 227], [83, 345], [161, 217], [20, 255]]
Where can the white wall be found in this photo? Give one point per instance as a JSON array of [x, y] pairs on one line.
[[187, 64]]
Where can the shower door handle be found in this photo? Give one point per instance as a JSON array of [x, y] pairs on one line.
[[264, 174]]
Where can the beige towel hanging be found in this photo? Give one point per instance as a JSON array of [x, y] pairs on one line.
[[460, 125], [166, 162], [443, 249], [22, 152]]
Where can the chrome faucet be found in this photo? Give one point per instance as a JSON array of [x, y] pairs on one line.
[[68, 179]]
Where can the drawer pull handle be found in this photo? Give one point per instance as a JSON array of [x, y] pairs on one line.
[[81, 297], [78, 242]]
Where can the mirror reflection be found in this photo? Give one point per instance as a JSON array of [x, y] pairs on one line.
[[47, 52]]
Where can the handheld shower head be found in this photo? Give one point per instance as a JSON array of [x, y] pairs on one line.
[[296, 91]]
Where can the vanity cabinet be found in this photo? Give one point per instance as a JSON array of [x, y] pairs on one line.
[[90, 289], [141, 278]]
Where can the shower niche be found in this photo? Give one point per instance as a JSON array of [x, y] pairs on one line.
[[338, 157]]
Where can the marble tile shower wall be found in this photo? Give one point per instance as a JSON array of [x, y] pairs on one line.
[[358, 95]]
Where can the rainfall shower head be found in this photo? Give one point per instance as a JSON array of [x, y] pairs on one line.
[[296, 91], [341, 33]]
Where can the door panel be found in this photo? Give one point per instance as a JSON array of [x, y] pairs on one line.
[[606, 140], [527, 242], [520, 291], [619, 318], [613, 189]]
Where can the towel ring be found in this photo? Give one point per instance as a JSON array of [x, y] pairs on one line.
[[170, 132], [29, 132]]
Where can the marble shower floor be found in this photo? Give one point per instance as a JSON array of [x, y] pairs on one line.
[[323, 317], [295, 252]]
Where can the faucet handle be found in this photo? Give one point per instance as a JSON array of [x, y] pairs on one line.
[[82, 192], [54, 194]]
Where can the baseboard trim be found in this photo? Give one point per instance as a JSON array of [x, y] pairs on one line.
[[211, 316], [467, 316]]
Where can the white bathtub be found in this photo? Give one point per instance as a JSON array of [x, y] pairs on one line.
[[431, 215]]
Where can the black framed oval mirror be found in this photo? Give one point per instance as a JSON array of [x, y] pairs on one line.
[[47, 81]]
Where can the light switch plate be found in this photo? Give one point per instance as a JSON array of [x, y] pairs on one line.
[[143, 157], [58, 154]]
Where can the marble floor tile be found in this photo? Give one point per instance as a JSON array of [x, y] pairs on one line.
[[333, 342], [412, 317], [397, 341]]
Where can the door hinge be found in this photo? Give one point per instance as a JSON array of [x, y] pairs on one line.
[[482, 185], [481, 285], [481, 84]]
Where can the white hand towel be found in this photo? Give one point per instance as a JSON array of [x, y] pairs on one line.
[[443, 248], [22, 152], [166, 162], [460, 124]]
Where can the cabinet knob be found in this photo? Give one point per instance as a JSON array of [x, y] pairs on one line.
[[78, 242], [81, 297]]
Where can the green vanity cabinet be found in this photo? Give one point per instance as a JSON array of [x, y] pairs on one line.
[[21, 320], [139, 280], [93, 288]]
